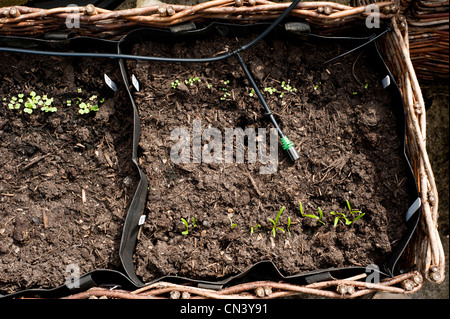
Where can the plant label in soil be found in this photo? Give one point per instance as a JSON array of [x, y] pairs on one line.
[[386, 81], [135, 82], [110, 83]]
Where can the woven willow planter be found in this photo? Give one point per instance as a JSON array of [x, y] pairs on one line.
[[424, 254]]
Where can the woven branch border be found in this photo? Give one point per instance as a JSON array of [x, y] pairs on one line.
[[21, 20], [342, 289], [427, 252]]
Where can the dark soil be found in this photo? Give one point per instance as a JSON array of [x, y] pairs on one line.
[[343, 129], [47, 162]]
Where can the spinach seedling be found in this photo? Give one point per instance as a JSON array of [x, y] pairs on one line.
[[319, 218], [187, 227], [288, 228], [347, 221], [233, 225], [275, 222], [252, 229]]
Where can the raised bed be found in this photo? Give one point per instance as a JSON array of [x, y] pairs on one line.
[[292, 279]]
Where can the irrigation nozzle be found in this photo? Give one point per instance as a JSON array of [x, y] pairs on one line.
[[288, 146]]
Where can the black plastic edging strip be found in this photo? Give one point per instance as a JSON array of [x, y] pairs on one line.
[[412, 217], [132, 221]]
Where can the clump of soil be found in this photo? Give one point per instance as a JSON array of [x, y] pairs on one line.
[[65, 178], [338, 117]]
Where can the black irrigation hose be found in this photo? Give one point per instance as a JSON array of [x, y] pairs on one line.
[[371, 39], [288, 146], [286, 143]]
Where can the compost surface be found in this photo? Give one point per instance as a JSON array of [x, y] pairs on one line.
[[65, 178], [337, 115]]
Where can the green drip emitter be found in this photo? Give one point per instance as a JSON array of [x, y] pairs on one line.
[[288, 146]]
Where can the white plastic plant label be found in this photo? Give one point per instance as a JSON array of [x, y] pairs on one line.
[[135, 82], [142, 220], [110, 83]]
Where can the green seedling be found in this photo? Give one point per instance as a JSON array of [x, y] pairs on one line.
[[193, 222], [252, 93], [271, 90], [16, 102], [343, 216], [233, 225], [353, 212], [252, 229], [175, 84], [366, 86], [287, 88], [47, 107], [88, 106], [192, 80], [31, 103], [317, 86], [187, 227], [36, 100], [288, 228], [225, 95], [275, 222], [319, 218], [339, 216]]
